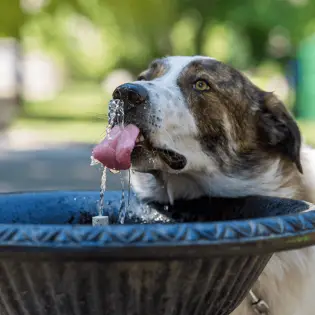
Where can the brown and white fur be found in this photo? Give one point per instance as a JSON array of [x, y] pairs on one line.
[[237, 141]]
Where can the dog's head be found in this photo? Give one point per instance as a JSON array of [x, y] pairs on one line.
[[201, 127], [196, 114]]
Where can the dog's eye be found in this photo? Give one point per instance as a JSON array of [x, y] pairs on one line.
[[201, 85]]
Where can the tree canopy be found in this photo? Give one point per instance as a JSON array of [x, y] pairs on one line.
[[92, 37]]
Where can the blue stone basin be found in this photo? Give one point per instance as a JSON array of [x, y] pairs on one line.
[[199, 257]]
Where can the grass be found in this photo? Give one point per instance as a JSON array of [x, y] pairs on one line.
[[79, 114], [78, 102], [62, 131]]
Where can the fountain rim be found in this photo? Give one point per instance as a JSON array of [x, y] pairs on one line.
[[148, 241]]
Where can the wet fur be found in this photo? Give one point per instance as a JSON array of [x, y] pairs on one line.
[[238, 141]]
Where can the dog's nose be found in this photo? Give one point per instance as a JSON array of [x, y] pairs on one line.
[[131, 94]]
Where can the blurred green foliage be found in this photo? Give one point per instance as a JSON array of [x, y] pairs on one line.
[[90, 38], [12, 18]]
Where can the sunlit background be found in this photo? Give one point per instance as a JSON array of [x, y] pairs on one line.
[[61, 59]]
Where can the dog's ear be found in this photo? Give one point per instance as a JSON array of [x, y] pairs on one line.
[[278, 128]]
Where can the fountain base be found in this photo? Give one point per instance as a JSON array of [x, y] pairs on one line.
[[52, 261]]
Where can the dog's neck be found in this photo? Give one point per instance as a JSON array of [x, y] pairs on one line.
[[279, 179]]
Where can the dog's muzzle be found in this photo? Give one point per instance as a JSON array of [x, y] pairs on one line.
[[133, 126]]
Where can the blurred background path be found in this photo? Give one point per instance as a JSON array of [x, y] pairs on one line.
[[36, 166]]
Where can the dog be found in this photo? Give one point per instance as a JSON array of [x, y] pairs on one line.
[[198, 127]]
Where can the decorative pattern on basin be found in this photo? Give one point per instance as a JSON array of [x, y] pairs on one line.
[[50, 264]]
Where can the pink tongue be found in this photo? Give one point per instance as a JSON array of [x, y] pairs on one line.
[[115, 150]]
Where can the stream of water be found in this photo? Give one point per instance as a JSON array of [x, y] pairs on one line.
[[115, 112]]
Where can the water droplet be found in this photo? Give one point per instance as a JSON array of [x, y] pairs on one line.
[[115, 111], [94, 161], [112, 170]]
